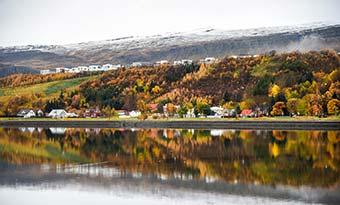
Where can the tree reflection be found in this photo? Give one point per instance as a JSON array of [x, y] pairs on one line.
[[245, 156]]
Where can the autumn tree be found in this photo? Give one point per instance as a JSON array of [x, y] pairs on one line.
[[182, 111], [278, 109], [109, 112], [292, 105], [274, 91], [170, 109], [333, 107]]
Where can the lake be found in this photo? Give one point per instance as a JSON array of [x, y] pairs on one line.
[[168, 166]]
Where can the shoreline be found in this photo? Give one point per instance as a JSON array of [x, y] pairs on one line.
[[178, 124]]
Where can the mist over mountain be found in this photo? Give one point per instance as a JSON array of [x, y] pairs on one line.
[[174, 46]]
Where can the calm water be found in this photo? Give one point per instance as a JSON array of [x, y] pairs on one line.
[[155, 166]]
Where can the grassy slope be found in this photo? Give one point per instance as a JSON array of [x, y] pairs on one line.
[[49, 89]]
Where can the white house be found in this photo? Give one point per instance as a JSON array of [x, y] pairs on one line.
[[59, 70], [186, 61], [95, 68], [83, 68], [136, 64], [217, 110], [134, 113], [61, 113], [45, 72], [73, 70], [123, 114], [57, 113], [107, 67], [48, 71], [177, 62], [162, 62], [209, 60], [183, 62], [24, 112], [117, 66], [190, 113], [71, 114], [140, 64], [78, 69], [30, 114], [244, 56]]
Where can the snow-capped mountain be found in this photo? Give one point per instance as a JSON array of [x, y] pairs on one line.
[[172, 46], [170, 39]]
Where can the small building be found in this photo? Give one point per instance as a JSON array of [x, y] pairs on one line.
[[60, 70], [30, 114], [190, 113], [81, 69], [94, 68], [123, 114], [45, 72], [183, 62], [40, 113], [209, 60], [177, 62], [244, 56], [53, 71], [74, 70], [134, 113], [162, 62], [72, 114], [107, 67], [117, 66], [24, 112], [247, 113], [57, 113], [92, 113], [140, 64], [229, 113], [152, 107], [217, 110]]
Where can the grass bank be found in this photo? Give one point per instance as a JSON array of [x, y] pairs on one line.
[[195, 123]]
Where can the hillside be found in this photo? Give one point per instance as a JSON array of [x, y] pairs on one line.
[[304, 83], [174, 46], [35, 95]]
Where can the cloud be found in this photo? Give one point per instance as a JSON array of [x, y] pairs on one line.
[[307, 43]]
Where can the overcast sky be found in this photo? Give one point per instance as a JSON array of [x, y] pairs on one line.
[[71, 21]]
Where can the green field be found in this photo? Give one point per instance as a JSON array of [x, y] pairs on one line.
[[49, 89]]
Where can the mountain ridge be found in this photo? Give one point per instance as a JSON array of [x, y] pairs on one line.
[[174, 46]]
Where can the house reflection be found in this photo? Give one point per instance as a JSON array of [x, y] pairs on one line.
[[58, 130]]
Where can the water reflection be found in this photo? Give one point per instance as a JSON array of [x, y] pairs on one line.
[[278, 164]]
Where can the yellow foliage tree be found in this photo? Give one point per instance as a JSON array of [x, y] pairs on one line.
[[274, 91], [156, 90]]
